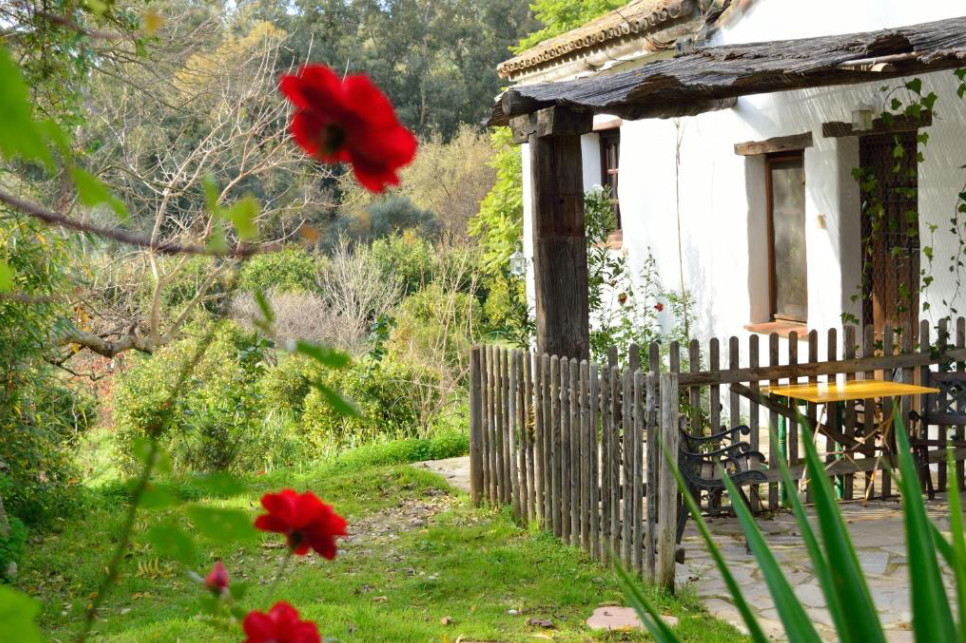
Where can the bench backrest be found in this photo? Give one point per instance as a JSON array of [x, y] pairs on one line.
[[948, 406]]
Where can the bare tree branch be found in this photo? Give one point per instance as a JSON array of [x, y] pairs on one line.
[[52, 218]]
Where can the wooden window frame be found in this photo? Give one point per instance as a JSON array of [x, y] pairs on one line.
[[612, 135], [770, 160]]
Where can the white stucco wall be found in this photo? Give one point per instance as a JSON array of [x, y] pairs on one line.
[[718, 198]]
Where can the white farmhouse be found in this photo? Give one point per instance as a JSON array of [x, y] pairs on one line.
[[733, 161]]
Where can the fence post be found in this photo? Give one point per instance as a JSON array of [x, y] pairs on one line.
[[476, 427], [667, 485]]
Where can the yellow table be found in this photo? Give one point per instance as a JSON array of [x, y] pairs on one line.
[[846, 391], [830, 394]]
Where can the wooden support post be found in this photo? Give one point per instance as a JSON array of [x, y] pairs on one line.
[[559, 235], [476, 427], [668, 506]]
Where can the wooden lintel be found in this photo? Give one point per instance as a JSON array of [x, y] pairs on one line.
[[890, 125], [561, 121], [522, 127], [774, 145], [672, 110]]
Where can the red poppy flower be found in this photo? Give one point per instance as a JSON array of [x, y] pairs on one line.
[[348, 121], [217, 578], [306, 521], [659, 307], [280, 625]]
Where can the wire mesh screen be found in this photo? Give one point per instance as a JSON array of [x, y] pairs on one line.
[[890, 230]]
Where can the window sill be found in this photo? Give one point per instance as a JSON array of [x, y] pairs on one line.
[[615, 240], [782, 328]]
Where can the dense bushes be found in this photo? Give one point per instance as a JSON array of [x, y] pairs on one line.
[[211, 426], [395, 400], [292, 270], [12, 546]]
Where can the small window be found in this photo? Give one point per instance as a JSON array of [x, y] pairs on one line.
[[610, 152], [785, 180]]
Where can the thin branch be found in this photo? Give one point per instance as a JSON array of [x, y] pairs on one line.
[[52, 218]]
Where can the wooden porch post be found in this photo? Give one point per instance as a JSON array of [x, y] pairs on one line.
[[559, 236]]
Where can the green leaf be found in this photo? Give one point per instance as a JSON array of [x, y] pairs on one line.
[[242, 215], [17, 614], [958, 550], [819, 562], [861, 618], [6, 277], [171, 542], [645, 609], [264, 307], [93, 192], [223, 485], [798, 626], [21, 138], [155, 497], [915, 85], [932, 618], [323, 354], [217, 240], [751, 622], [222, 525], [211, 194], [339, 404]]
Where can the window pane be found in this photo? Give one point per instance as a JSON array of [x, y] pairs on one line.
[[788, 221]]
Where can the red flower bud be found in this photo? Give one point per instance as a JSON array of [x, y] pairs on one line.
[[659, 307], [307, 522], [217, 578], [348, 120], [280, 625]]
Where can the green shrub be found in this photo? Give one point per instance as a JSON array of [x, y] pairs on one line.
[[37, 447], [291, 270], [285, 386], [437, 325], [406, 258], [12, 546], [211, 427], [397, 214], [395, 400]]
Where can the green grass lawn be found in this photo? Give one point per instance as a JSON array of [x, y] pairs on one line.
[[421, 565]]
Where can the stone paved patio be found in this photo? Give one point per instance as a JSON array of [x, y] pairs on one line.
[[877, 531]]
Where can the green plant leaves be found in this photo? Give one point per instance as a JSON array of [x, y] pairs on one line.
[[172, 542], [22, 138], [93, 192], [645, 609], [17, 617], [754, 629], [861, 620], [224, 525], [798, 626], [323, 354], [932, 619], [242, 214]]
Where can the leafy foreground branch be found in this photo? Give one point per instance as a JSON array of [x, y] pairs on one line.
[[836, 565]]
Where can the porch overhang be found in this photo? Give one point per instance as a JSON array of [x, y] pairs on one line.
[[712, 78]]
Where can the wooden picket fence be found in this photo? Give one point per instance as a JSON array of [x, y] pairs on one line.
[[563, 442], [575, 446]]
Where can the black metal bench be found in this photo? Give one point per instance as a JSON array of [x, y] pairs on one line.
[[699, 459]]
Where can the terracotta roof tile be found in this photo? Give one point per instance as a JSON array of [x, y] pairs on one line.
[[636, 19]]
